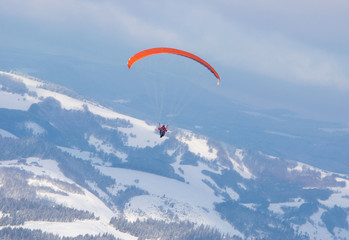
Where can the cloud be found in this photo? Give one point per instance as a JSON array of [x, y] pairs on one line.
[[105, 17], [280, 58], [271, 53], [258, 38]]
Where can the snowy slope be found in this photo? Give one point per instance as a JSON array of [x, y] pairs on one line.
[[190, 202], [198, 174], [5, 133], [82, 201], [140, 134], [16, 101]]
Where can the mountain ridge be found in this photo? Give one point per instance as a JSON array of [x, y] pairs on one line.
[[121, 162]]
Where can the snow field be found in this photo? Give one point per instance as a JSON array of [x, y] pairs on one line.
[[232, 194], [195, 199], [341, 233], [49, 168], [315, 228], [340, 197], [277, 207], [16, 101], [139, 135], [198, 146], [305, 167], [85, 201], [4, 133], [251, 206], [87, 156], [102, 146], [35, 128], [239, 166]]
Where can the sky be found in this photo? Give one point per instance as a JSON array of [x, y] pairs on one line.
[[275, 54]]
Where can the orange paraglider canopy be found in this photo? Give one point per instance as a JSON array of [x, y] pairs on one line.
[[153, 51]]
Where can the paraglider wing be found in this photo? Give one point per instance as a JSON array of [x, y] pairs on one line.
[[153, 51]]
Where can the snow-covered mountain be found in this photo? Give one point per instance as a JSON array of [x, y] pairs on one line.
[[71, 167]]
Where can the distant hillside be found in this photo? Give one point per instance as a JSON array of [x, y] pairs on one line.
[[73, 169]]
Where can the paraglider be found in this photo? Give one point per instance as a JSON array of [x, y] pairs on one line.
[[162, 130], [148, 52], [152, 51]]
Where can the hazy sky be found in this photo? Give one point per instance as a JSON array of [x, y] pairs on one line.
[[288, 54]]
